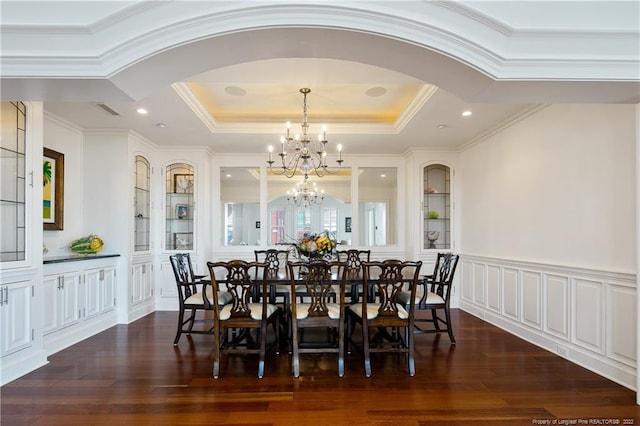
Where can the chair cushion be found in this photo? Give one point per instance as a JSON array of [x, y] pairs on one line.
[[372, 310], [256, 311], [302, 310], [196, 299], [432, 298]]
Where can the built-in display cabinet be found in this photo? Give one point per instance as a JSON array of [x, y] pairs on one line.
[[142, 204], [436, 207], [179, 207]]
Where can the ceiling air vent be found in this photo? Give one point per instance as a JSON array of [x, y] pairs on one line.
[[107, 109]]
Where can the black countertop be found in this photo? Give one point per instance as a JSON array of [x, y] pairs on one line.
[[75, 257]]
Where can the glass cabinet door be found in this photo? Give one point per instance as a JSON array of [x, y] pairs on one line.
[[142, 204], [179, 207], [437, 207], [13, 182]]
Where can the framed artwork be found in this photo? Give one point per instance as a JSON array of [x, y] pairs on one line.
[[182, 211], [183, 183], [52, 190], [183, 241], [347, 224]]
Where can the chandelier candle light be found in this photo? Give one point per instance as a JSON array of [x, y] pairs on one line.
[[301, 195], [307, 154]]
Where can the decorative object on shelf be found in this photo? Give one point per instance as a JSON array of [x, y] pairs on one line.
[[432, 190], [316, 247], [183, 183], [431, 214], [306, 154], [87, 245], [183, 241], [302, 196], [52, 190], [182, 211], [432, 236]]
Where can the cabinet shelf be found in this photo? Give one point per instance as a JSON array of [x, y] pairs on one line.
[[437, 203]]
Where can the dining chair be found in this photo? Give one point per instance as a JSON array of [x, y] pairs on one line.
[[354, 260], [320, 281], [276, 261], [242, 314], [190, 296], [433, 294], [385, 280]]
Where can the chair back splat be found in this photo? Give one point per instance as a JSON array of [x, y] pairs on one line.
[[354, 260], [323, 285], [246, 283], [385, 311]]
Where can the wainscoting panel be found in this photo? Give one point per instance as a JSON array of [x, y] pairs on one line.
[[587, 316], [479, 285], [532, 298], [493, 288], [556, 320], [622, 328], [588, 306], [511, 298], [467, 281]]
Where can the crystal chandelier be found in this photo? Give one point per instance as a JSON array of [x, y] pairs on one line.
[[302, 196], [305, 153]]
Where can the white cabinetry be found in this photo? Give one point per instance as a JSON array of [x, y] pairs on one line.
[[99, 288], [15, 317], [61, 307], [141, 290], [79, 298]]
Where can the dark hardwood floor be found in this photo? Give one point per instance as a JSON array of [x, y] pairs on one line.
[[132, 375]]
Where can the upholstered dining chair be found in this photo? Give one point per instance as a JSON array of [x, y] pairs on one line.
[[190, 296], [433, 294], [242, 314], [354, 260], [387, 314], [320, 281]]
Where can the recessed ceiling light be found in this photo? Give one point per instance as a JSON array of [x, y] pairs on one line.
[[374, 92], [142, 111], [162, 125], [466, 113], [228, 175], [383, 175], [442, 126], [235, 91]]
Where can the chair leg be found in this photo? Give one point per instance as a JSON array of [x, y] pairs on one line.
[[216, 352], [263, 348], [192, 319], [447, 314], [180, 322], [436, 323], [294, 345], [365, 347], [341, 351], [411, 361]]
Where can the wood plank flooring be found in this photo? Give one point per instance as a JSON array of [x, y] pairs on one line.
[[132, 375]]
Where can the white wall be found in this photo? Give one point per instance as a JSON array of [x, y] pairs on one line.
[[63, 138], [556, 188], [548, 237]]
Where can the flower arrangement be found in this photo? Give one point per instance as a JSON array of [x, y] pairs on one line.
[[87, 245], [319, 246]]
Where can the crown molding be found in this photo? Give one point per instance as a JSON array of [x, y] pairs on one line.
[[120, 40]]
